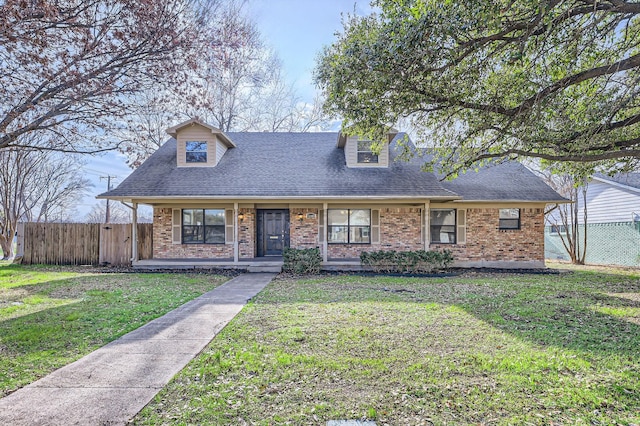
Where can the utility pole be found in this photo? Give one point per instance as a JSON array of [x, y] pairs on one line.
[[107, 215]]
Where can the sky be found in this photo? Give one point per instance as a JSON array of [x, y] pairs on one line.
[[296, 30]]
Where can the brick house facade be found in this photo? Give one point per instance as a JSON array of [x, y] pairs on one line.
[[401, 229], [229, 198]]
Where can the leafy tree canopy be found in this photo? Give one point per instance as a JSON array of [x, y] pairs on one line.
[[482, 80]]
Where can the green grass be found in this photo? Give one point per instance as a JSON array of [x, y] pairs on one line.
[[51, 316], [477, 349]]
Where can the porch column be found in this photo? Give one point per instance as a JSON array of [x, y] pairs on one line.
[[427, 235], [325, 244], [134, 233], [236, 233]]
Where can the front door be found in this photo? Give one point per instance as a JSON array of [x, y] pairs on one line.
[[273, 232]]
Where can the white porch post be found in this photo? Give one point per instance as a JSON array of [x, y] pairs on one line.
[[427, 235], [134, 233], [325, 244], [236, 233]]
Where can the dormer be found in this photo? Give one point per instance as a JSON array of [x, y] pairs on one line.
[[358, 151], [199, 144]]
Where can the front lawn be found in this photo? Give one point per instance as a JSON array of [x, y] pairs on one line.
[[52, 316], [479, 349]]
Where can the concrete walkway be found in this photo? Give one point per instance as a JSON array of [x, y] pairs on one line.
[[111, 385]]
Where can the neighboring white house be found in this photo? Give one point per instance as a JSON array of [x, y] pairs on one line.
[[613, 222]]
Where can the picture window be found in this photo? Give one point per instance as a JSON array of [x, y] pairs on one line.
[[203, 226], [349, 226]]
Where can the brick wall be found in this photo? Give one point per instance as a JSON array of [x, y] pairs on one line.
[[486, 242], [163, 247], [247, 234], [400, 230], [303, 234]]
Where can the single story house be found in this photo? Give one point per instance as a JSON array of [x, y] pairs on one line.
[[238, 199], [613, 222]]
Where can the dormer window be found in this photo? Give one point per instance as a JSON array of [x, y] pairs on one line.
[[199, 144], [365, 154], [196, 152]]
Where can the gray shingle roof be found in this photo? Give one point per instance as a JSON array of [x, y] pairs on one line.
[[507, 181], [310, 165], [629, 179]]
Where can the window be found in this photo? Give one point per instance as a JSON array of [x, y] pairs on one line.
[[509, 219], [558, 229], [442, 226], [196, 152], [202, 226], [365, 155], [349, 226]]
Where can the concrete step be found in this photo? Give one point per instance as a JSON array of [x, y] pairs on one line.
[[264, 268]]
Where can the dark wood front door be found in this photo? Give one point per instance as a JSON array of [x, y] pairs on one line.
[[273, 232]]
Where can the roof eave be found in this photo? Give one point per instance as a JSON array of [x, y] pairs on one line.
[[276, 197], [617, 184], [515, 200], [173, 131]]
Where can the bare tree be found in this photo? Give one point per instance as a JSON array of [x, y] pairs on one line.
[[239, 66], [35, 185], [244, 89], [311, 117], [60, 186], [117, 213], [144, 129], [68, 69], [566, 219], [273, 105]]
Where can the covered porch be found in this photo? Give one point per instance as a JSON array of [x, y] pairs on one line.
[[253, 235], [258, 264]]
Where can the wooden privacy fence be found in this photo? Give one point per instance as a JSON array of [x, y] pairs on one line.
[[84, 243]]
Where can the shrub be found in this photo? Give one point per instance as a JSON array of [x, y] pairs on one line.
[[302, 261], [407, 262]]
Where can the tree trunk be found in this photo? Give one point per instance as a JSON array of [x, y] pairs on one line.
[[6, 243]]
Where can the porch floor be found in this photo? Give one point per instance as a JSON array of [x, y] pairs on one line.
[[257, 264]]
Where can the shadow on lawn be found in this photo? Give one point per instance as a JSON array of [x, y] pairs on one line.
[[567, 312], [569, 321], [53, 316], [35, 343]]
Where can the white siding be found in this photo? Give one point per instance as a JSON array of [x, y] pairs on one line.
[[195, 133], [220, 150], [607, 203]]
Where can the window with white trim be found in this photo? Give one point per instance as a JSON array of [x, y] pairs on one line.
[[349, 226], [509, 219], [203, 226], [442, 226], [196, 152]]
